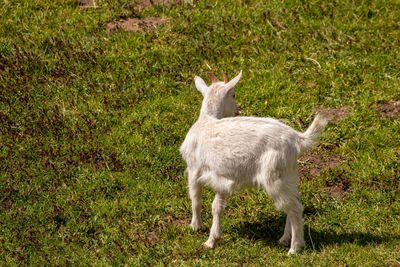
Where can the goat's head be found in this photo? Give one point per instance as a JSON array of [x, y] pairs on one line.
[[219, 97]]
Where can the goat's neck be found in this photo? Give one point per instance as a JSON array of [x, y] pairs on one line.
[[207, 117], [209, 112]]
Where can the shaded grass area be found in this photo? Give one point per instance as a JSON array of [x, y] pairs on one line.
[[91, 122]]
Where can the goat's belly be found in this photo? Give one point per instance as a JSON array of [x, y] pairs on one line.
[[223, 184]]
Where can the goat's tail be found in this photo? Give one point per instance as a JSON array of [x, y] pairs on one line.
[[311, 136]]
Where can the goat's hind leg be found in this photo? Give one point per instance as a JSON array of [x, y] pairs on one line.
[[218, 207], [294, 228], [287, 234], [195, 190], [295, 215], [286, 198]]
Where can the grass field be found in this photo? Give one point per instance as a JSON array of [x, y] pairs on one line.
[[91, 120]]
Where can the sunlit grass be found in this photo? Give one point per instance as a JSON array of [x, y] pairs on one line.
[[91, 122]]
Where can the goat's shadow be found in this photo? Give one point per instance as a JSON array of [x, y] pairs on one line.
[[269, 230]]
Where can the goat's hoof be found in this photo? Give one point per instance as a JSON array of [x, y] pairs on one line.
[[292, 251], [209, 244], [284, 241], [296, 248], [195, 226]]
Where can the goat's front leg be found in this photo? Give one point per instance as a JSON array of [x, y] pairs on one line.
[[218, 207], [195, 190]]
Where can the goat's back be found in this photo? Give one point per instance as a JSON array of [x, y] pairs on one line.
[[234, 147]]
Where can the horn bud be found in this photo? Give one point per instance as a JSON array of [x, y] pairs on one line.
[[212, 77], [226, 79]]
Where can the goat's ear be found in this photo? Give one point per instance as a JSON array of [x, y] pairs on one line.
[[200, 85], [231, 84]]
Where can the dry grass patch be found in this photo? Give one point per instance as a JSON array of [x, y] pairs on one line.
[[136, 25]]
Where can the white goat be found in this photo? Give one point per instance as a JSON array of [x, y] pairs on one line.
[[229, 154]]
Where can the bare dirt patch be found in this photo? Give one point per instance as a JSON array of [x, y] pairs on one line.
[[335, 114], [311, 85], [312, 165], [335, 191], [146, 3], [175, 221], [152, 238], [136, 25], [87, 3], [148, 239], [339, 186], [389, 110]]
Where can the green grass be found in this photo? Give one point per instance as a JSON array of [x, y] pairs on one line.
[[91, 123]]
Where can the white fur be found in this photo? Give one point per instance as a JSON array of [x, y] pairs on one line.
[[230, 153]]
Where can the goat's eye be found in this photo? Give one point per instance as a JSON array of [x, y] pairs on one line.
[[233, 95]]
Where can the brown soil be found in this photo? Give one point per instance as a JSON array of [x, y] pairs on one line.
[[148, 239], [152, 238], [335, 114], [172, 220], [335, 191], [140, 25], [136, 25], [389, 110], [87, 3], [146, 3], [339, 186], [313, 164], [140, 4], [311, 85]]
